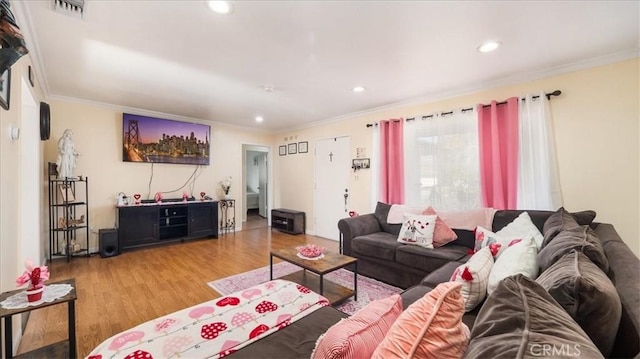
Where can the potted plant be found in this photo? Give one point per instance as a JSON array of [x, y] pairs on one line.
[[35, 276]]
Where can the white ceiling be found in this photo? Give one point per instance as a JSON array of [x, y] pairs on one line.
[[179, 58]]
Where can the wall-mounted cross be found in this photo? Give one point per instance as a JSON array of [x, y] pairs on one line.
[[330, 156]]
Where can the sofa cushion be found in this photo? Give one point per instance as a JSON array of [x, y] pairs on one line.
[[441, 275], [581, 238], [442, 234], [504, 217], [521, 320], [588, 295], [381, 213], [474, 276], [417, 230], [466, 238], [430, 328], [521, 258], [381, 245], [429, 260], [359, 334], [556, 223]]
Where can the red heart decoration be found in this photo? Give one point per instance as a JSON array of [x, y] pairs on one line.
[[139, 354], [228, 301], [258, 330], [266, 306], [136, 196], [211, 331]]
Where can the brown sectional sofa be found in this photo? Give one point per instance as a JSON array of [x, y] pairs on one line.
[[624, 266], [298, 340]]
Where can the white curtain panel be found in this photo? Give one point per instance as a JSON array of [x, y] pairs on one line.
[[375, 166], [538, 178], [442, 161]]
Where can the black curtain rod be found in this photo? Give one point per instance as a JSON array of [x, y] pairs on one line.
[[549, 95]]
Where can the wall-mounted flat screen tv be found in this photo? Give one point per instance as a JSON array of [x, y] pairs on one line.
[[150, 139]]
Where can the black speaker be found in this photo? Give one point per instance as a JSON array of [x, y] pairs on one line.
[[108, 242]]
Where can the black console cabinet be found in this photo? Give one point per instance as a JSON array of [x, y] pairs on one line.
[[288, 221], [153, 224]]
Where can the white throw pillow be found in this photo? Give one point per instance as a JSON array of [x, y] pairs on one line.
[[522, 227], [512, 233], [474, 276], [520, 258], [418, 230]]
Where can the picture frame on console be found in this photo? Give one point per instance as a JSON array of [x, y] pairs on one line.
[[66, 193]]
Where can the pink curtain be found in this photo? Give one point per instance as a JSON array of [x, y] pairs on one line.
[[391, 162], [498, 140]]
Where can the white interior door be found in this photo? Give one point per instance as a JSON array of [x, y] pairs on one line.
[[332, 167], [262, 185]]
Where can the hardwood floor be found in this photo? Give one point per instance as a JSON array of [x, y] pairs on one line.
[[117, 293]]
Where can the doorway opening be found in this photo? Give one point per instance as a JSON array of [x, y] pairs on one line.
[[256, 193]]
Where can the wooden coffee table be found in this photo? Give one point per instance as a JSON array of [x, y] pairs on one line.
[[334, 292]]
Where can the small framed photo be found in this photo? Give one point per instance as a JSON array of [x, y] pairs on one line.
[[66, 192], [360, 163], [303, 147], [5, 89], [293, 148], [282, 150]]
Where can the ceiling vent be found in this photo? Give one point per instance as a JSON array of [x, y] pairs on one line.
[[73, 8]]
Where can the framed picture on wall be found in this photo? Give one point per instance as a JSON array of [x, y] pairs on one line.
[[303, 147], [282, 150], [293, 148], [5, 89]]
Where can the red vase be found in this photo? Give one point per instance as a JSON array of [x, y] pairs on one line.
[[35, 294]]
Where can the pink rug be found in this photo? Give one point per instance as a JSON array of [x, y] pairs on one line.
[[368, 289]]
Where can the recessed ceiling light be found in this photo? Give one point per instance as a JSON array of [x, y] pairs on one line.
[[268, 88], [221, 7], [489, 46], [358, 89], [259, 119]]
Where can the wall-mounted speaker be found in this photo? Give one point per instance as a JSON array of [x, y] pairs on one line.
[[45, 121], [108, 242]]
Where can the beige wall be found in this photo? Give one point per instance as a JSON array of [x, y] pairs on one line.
[[597, 132], [97, 134], [11, 158]]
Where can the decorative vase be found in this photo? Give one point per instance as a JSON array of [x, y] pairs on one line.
[[227, 196], [34, 294]]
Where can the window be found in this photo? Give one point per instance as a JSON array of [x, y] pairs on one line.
[[441, 162]]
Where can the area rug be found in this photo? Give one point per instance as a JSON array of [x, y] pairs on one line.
[[368, 289]]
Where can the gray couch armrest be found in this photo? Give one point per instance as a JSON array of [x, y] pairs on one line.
[[356, 226]]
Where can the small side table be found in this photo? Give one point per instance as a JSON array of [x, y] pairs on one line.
[[65, 348], [227, 215]]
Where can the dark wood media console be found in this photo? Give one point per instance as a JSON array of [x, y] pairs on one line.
[[288, 221], [150, 224]]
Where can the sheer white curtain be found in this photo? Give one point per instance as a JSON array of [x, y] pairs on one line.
[[442, 161], [538, 178]]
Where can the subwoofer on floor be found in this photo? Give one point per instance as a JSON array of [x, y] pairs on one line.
[[108, 242]]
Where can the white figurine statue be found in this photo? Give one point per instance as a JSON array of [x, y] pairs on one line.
[[67, 155]]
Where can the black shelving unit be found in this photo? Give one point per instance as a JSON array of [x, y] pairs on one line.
[[68, 216]]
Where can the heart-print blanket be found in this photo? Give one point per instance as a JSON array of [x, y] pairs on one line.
[[216, 328]]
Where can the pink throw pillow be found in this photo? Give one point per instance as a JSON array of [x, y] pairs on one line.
[[442, 234], [358, 335], [431, 327]]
